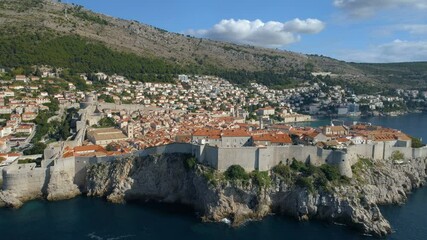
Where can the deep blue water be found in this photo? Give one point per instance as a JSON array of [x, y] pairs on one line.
[[88, 218]]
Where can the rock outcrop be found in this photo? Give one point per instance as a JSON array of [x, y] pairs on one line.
[[61, 186], [52, 184], [166, 179], [9, 199]]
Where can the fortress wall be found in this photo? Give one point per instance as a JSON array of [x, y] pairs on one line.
[[267, 158], [342, 161], [25, 180], [400, 143], [378, 151], [210, 156], [324, 156], [309, 154], [263, 159], [244, 156], [199, 152], [336, 157], [362, 150], [127, 107], [407, 152], [184, 148], [65, 164], [389, 149], [80, 171], [420, 152], [312, 154]]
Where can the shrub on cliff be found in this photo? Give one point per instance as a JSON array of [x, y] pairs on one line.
[[236, 172], [209, 175], [190, 163], [299, 166], [305, 182], [283, 170], [397, 156], [331, 172], [260, 178]]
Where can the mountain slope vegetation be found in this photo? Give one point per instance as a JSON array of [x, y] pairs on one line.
[[62, 35]]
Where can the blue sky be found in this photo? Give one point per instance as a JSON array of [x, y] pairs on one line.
[[351, 30]]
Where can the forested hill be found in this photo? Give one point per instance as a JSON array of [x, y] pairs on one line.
[[47, 32]]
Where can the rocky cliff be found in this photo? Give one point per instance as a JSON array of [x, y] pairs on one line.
[[38, 183], [353, 202], [302, 191], [61, 186]]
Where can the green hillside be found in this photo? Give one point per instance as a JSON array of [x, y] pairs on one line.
[[82, 55], [37, 32], [397, 75]]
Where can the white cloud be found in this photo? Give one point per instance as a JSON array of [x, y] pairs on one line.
[[366, 8], [416, 29], [309, 26], [269, 34], [396, 51]]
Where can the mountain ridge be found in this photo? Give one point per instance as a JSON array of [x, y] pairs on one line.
[[207, 56]]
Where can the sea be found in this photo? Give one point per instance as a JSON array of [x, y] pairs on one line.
[[94, 218]]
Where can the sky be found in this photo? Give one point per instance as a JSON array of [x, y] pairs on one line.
[[349, 30]]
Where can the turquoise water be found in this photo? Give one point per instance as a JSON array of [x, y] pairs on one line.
[[88, 218]]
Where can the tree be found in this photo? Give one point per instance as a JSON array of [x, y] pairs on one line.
[[106, 98], [107, 122], [236, 172], [416, 143], [38, 148], [38, 73], [111, 147]]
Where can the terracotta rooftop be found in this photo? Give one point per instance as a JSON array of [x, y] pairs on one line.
[[235, 133]]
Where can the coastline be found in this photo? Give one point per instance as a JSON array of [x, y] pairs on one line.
[[370, 114], [216, 198]]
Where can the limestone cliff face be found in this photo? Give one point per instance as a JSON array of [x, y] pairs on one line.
[[165, 179], [10, 199], [57, 184], [61, 186]]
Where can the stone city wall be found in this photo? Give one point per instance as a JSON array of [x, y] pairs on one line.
[[25, 180], [127, 107], [263, 159], [383, 150]]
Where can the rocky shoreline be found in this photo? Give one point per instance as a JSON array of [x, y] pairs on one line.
[[167, 178]]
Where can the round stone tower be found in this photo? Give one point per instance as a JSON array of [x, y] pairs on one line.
[[88, 102]]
